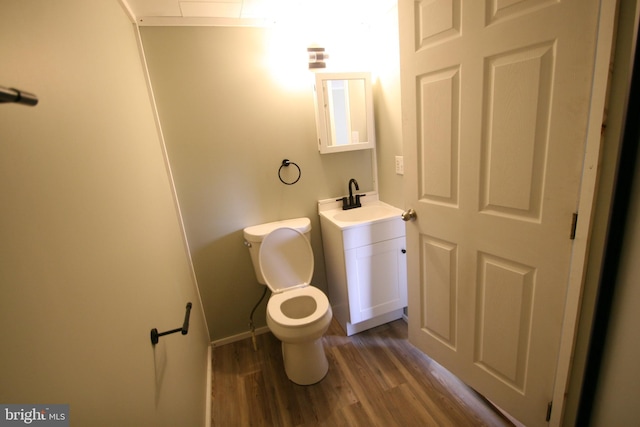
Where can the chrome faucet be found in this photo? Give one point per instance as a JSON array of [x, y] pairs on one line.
[[351, 202]]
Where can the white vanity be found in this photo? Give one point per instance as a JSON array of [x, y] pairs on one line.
[[364, 247], [364, 250]]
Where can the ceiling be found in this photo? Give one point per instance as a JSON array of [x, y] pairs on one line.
[[249, 12], [197, 8]]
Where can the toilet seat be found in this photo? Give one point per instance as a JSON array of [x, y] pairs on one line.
[[274, 306]]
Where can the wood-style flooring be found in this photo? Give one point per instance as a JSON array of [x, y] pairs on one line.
[[375, 378]]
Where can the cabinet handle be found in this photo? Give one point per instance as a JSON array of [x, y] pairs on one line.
[[404, 251]]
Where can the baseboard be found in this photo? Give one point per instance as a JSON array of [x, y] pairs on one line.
[[238, 337], [207, 421]]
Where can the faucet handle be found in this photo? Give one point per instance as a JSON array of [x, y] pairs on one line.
[[358, 199]]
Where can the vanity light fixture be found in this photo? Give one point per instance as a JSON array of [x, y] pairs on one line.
[[317, 57]]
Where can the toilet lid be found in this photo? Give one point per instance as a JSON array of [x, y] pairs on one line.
[[286, 259]]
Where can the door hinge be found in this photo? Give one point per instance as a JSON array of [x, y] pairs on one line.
[[549, 406], [574, 223]]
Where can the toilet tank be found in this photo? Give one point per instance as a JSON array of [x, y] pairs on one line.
[[253, 238]]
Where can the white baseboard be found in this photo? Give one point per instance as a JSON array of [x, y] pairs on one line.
[[238, 337], [207, 421]]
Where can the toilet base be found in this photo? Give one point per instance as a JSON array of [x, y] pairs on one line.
[[305, 363]]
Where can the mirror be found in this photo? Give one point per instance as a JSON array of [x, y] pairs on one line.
[[344, 112]]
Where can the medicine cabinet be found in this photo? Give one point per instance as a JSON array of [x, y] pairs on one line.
[[344, 112]]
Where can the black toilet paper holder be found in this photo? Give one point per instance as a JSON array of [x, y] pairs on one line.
[[155, 335]]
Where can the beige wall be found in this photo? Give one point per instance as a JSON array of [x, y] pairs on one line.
[[228, 124], [92, 254], [387, 110], [616, 398]]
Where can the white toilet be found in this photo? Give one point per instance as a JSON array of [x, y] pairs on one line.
[[298, 314]]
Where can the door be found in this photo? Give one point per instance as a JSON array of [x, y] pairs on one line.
[[496, 98]]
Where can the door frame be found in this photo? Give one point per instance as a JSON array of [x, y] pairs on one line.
[[586, 206]]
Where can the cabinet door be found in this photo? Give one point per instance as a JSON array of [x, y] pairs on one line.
[[377, 278]]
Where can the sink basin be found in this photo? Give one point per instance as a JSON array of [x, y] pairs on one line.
[[370, 212], [365, 213]]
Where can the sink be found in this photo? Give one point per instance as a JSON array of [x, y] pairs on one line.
[[365, 213], [373, 211]]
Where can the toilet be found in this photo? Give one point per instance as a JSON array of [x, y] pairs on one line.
[[298, 314]]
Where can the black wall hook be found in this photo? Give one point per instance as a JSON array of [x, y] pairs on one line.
[[155, 335]]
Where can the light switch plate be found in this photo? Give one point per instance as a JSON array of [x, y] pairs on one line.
[[400, 165]]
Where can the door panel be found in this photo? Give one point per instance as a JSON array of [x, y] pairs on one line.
[[439, 106], [495, 100], [516, 129], [504, 304], [440, 291]]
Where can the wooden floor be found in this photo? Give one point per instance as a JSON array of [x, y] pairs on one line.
[[376, 378]]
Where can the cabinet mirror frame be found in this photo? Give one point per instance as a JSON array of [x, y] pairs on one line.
[[344, 107]]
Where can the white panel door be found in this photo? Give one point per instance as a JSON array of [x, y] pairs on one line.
[[496, 97]]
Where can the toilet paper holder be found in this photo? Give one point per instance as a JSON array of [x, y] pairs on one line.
[[155, 335]]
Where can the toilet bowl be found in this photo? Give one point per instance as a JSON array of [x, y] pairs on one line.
[[298, 314]]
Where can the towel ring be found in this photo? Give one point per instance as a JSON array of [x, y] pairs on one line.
[[286, 163]]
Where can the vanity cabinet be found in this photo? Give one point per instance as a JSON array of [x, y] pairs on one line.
[[366, 271], [376, 279]]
